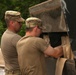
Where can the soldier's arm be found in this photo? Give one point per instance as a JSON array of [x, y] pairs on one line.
[[54, 52]]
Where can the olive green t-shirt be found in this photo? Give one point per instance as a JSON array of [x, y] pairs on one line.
[[30, 55], [8, 46]]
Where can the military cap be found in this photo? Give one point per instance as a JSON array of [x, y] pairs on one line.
[[13, 15], [33, 21]]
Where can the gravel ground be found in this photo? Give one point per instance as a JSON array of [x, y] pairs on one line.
[[1, 58], [1, 64], [2, 71]]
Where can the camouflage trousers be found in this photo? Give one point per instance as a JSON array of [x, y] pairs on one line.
[[15, 72]]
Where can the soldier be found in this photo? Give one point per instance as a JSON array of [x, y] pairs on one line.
[[9, 40], [32, 49]]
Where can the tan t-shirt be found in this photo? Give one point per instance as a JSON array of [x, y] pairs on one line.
[[8, 47], [30, 55]]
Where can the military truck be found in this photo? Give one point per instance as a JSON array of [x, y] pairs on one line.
[[54, 17]]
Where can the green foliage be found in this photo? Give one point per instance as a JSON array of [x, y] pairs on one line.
[[2, 29], [18, 5], [22, 31]]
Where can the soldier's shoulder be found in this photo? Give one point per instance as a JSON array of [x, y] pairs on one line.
[[38, 39]]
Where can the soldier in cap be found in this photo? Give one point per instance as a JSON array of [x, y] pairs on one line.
[[9, 40], [32, 49]]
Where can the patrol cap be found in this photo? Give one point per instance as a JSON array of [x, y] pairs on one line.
[[13, 15], [33, 21]]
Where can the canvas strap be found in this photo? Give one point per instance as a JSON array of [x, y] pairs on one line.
[[68, 54]]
